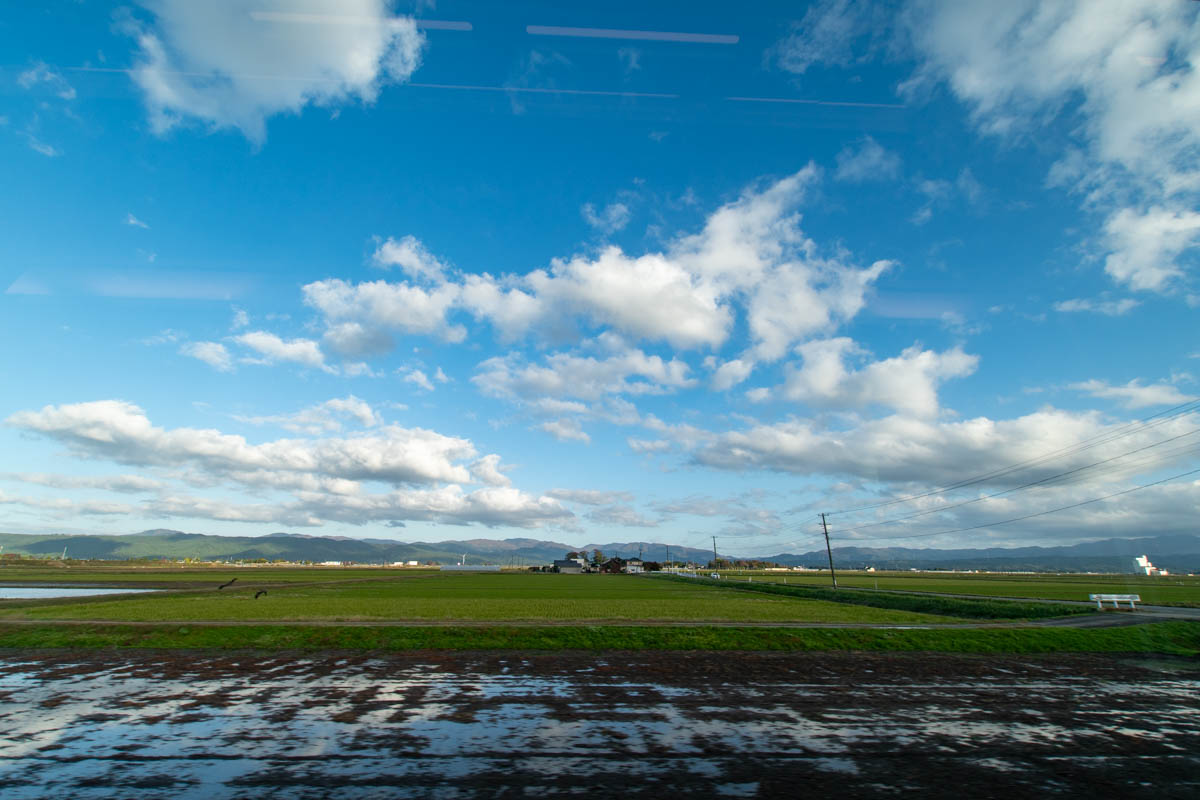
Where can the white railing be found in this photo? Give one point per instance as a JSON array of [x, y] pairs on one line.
[[1115, 599]]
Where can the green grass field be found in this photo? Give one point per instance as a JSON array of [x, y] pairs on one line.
[[523, 611], [1168, 591], [978, 608], [1169, 638], [464, 597], [1171, 590]]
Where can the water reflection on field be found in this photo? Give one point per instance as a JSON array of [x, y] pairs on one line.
[[42, 592], [485, 725]]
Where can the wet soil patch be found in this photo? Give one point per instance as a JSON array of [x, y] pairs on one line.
[[498, 724]]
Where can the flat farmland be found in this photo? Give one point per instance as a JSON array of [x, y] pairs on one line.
[[459, 597], [1172, 590]]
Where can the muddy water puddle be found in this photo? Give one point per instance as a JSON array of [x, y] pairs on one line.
[[497, 725]]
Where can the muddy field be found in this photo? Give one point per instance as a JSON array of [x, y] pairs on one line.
[[511, 724]]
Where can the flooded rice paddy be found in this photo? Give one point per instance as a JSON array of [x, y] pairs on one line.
[[538, 724], [44, 592]]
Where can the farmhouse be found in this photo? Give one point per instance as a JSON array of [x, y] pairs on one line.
[[627, 566]]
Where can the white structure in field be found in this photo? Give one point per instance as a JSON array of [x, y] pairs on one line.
[[1144, 565]]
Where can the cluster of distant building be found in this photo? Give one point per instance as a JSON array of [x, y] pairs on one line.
[[613, 566]]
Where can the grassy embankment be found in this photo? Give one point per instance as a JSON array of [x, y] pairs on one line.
[[1172, 590], [1169, 638], [968, 608], [466, 598]]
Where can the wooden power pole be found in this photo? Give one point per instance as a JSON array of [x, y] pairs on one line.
[[829, 551]]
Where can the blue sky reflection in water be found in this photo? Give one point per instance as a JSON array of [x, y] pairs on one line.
[[597, 273], [42, 592], [101, 726]]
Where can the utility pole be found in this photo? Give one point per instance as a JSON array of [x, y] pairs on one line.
[[714, 552], [668, 555], [829, 551]]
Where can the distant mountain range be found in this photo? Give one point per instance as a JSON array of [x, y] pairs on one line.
[[1176, 552], [161, 543]]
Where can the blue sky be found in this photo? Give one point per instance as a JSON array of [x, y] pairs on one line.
[[608, 273]]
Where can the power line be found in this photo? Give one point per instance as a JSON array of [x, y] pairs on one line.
[[1038, 514], [1085, 444], [807, 541], [1105, 437], [1029, 485]]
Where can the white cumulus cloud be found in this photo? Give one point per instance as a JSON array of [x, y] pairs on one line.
[[1126, 82], [869, 161], [411, 256], [568, 375], [326, 479], [1112, 308], [750, 256], [610, 219], [907, 450], [235, 63], [565, 430], [273, 349], [908, 382], [418, 379], [214, 354], [1134, 394], [323, 417], [488, 470], [377, 305]]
